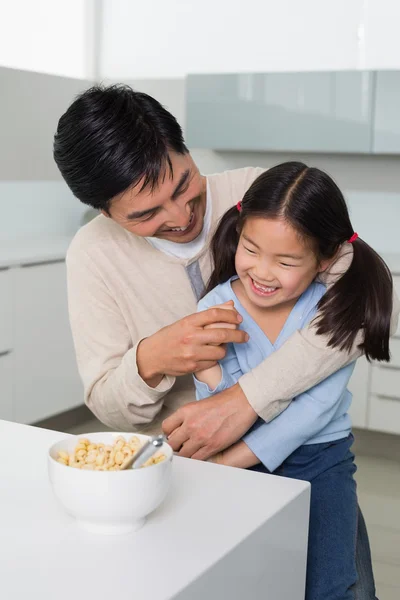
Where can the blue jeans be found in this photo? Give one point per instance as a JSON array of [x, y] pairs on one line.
[[338, 561]]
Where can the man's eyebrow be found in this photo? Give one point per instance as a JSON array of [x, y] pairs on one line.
[[181, 183], [142, 213]]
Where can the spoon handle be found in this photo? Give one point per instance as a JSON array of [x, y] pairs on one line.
[[144, 453]]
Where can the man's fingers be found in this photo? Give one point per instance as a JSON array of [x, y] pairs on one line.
[[220, 325], [216, 337], [204, 338], [177, 438], [189, 448], [216, 315], [172, 423]]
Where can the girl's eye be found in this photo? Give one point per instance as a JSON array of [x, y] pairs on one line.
[[286, 265], [248, 250]]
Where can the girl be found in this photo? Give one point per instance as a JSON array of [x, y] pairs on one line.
[[268, 253]]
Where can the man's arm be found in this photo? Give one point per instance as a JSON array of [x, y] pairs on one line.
[[271, 443], [113, 388], [306, 416], [126, 379]]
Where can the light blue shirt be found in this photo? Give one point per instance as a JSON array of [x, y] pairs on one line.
[[316, 416]]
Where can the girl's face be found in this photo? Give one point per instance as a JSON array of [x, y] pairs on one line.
[[273, 263]]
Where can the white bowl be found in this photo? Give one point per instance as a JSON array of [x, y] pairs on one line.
[[109, 502]]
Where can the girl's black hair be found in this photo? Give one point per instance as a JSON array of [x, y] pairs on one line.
[[311, 202]]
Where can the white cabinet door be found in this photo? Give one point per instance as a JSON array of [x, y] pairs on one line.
[[359, 387], [6, 310], [6, 386], [47, 380]]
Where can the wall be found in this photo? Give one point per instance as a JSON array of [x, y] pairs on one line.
[[32, 209], [30, 106], [371, 184], [161, 39], [48, 36], [153, 45], [34, 200]]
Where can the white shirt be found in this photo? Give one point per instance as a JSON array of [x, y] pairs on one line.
[[190, 249]]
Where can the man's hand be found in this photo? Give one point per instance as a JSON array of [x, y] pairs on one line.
[[189, 345], [202, 429]]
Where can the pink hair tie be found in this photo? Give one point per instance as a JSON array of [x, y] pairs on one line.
[[353, 238], [239, 206]]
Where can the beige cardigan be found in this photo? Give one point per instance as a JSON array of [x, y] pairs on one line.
[[122, 290]]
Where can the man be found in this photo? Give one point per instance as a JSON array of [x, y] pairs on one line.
[[136, 272]]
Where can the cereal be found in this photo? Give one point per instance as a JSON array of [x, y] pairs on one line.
[[104, 457]]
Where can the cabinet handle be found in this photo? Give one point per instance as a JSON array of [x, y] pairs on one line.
[[5, 353], [386, 397], [388, 367], [43, 262], [4, 269]]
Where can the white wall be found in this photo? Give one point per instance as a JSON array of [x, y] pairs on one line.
[[33, 209], [30, 107], [159, 39], [47, 36]]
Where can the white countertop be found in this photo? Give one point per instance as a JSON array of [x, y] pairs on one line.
[[211, 513], [25, 251]]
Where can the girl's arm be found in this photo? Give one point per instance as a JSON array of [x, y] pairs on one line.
[[211, 377], [239, 455], [215, 379]]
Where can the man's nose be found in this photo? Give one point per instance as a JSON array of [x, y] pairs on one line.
[[178, 216]]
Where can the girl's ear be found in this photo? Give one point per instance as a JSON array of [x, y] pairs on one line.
[[325, 264], [328, 262], [103, 212]]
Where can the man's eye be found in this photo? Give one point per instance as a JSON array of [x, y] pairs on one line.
[[148, 217]]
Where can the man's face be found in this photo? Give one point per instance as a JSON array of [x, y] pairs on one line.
[[173, 211]]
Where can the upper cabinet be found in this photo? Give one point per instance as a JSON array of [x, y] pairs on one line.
[[386, 136], [337, 112], [314, 112]]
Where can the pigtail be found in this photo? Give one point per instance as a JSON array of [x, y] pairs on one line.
[[223, 249], [362, 299]]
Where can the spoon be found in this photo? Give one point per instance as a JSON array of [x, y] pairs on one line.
[[144, 453]]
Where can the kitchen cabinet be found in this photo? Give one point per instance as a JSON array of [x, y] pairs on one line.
[[359, 387], [46, 375], [6, 310], [312, 112], [386, 126], [6, 386]]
